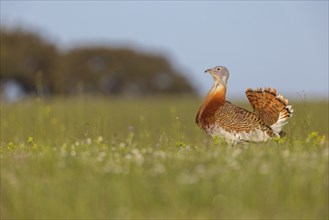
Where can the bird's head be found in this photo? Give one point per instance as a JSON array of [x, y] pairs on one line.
[[219, 73]]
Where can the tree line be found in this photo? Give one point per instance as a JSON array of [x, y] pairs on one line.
[[39, 67]]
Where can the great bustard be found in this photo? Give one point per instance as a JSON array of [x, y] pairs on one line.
[[221, 118]]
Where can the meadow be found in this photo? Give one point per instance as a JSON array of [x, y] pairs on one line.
[[98, 157]]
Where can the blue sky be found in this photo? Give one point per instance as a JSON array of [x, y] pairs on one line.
[[281, 44]]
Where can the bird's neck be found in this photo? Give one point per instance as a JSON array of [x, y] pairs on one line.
[[214, 99], [216, 95]]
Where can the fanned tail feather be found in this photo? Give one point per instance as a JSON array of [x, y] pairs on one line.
[[272, 109]]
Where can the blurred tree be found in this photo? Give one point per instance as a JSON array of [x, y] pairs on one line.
[[122, 71], [39, 67], [27, 59]]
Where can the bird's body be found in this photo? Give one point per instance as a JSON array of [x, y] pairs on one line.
[[219, 117]]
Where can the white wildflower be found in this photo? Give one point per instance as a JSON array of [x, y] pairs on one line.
[[99, 139], [101, 156]]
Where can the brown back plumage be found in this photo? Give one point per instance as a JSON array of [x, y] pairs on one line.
[[236, 119], [269, 106]]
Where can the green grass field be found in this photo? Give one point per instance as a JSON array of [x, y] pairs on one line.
[[112, 158]]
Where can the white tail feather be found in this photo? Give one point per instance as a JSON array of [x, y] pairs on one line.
[[282, 120]]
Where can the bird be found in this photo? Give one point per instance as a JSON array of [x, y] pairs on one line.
[[220, 118]]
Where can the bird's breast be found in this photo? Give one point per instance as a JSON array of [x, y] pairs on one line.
[[212, 103]]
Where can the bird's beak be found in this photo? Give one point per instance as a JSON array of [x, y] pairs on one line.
[[207, 70]]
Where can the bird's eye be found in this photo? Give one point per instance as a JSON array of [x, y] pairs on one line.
[[218, 69]]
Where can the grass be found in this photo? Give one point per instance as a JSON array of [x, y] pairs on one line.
[[112, 158]]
